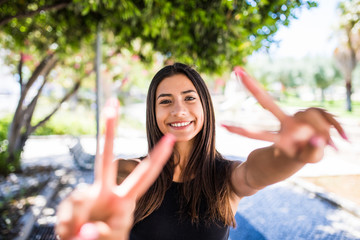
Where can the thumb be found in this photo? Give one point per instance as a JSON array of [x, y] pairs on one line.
[[313, 151]]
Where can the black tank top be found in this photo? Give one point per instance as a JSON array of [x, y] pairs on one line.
[[167, 223]]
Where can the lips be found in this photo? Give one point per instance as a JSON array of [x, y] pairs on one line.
[[180, 124]]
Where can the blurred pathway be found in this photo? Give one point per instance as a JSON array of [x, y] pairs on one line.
[[284, 211]]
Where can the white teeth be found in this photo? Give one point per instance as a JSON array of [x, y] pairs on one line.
[[180, 124]]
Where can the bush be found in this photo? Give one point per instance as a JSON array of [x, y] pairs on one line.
[[5, 167], [4, 126]]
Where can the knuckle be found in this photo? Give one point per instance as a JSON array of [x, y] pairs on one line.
[[313, 111]]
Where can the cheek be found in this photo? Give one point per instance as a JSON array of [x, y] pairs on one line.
[[200, 117], [160, 119], [202, 120]]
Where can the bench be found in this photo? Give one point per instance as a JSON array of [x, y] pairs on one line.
[[83, 160]]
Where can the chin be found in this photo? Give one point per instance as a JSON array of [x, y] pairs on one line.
[[184, 138]]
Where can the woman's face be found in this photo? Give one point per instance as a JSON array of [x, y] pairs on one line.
[[178, 108]]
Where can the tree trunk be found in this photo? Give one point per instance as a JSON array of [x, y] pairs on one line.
[[23, 113], [348, 96], [322, 96], [21, 128]]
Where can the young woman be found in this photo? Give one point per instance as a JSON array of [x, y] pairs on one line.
[[192, 192]]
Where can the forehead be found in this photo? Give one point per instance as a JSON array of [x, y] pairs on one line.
[[174, 84]]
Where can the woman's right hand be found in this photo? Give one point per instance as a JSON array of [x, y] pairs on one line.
[[105, 210]]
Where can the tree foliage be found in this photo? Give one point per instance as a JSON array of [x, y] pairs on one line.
[[325, 77], [312, 73], [211, 35]]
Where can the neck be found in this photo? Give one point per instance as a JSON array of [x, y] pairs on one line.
[[184, 151]]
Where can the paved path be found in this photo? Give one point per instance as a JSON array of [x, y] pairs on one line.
[[284, 211]]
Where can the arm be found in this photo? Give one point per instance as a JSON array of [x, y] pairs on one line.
[[264, 166]]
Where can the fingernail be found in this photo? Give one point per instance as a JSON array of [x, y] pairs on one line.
[[332, 144], [317, 141], [112, 102], [88, 232], [343, 135], [238, 70]]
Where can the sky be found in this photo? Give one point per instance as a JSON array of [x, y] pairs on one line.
[[310, 34]]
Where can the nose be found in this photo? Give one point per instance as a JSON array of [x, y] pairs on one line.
[[179, 109]]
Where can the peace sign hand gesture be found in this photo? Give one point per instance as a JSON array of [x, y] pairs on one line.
[[302, 137], [104, 210]]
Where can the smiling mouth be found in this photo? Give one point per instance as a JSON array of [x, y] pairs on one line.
[[180, 124]]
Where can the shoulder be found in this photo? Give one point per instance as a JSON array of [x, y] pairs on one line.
[[228, 162], [125, 167], [224, 168]]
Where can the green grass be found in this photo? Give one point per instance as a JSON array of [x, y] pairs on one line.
[[81, 122], [337, 108], [66, 122]]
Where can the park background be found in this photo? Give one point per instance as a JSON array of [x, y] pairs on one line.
[[304, 64]]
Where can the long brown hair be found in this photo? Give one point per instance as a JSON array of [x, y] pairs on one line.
[[211, 170]]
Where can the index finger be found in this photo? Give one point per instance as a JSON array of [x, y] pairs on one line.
[[105, 169], [265, 100], [145, 174]]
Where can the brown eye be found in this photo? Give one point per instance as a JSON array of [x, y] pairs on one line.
[[165, 101], [189, 98]]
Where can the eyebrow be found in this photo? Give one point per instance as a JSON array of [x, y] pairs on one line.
[[169, 95]]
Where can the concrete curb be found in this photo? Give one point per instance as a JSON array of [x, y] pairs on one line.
[[320, 192], [42, 200]]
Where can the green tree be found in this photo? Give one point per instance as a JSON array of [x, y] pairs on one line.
[[23, 9], [212, 35], [324, 78], [349, 44]]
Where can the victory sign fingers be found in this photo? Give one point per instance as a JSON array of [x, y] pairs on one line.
[[306, 127]]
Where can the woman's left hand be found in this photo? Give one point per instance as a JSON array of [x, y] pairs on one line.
[[302, 136]]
